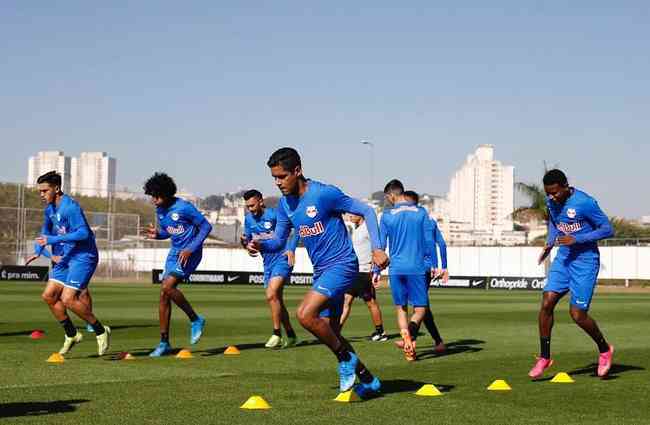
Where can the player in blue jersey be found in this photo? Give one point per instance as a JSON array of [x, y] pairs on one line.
[[575, 224], [407, 228], [433, 272], [260, 223], [181, 222], [314, 210], [75, 259]]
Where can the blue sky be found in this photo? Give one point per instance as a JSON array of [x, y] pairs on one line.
[[207, 90]]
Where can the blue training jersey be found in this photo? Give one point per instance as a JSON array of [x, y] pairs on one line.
[[183, 224], [263, 227], [68, 232], [581, 217], [409, 233], [316, 217], [438, 244]]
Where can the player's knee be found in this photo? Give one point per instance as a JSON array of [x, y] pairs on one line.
[[166, 291], [67, 299], [272, 297], [577, 315], [48, 298]]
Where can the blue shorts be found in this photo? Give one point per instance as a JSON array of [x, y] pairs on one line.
[[279, 268], [75, 274], [577, 276], [409, 289], [173, 266], [334, 283]]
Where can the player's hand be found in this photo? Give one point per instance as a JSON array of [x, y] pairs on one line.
[[30, 259], [56, 259], [41, 240], [253, 248], [184, 256], [380, 259], [291, 258], [375, 280], [151, 232], [445, 275], [566, 240], [547, 250], [243, 240]]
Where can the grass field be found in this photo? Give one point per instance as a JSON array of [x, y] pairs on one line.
[[491, 334]]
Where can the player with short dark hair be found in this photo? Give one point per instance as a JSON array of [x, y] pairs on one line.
[[575, 224], [181, 222], [433, 272], [259, 223], [75, 259], [407, 228], [314, 210]]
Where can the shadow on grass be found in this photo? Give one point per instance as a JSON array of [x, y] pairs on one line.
[[17, 333], [454, 347], [591, 370], [254, 346], [394, 386], [12, 410]]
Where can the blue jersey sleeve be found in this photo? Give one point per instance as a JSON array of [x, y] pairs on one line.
[[429, 245], [340, 202], [80, 228], [599, 221], [442, 245], [293, 242], [383, 231], [197, 219], [282, 230], [552, 231], [247, 228]]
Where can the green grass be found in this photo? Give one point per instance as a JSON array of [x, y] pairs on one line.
[[493, 336]]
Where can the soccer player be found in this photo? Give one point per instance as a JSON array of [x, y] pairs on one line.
[[314, 210], [433, 272], [66, 229], [575, 224], [407, 228], [363, 287], [181, 222], [260, 223]]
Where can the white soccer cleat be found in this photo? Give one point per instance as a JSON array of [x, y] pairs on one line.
[[70, 341], [274, 342], [104, 341]]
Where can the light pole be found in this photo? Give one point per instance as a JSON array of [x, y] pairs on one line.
[[371, 146]]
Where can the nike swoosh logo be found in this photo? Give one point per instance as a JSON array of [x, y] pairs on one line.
[[231, 278]]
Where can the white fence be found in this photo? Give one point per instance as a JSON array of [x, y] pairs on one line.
[[616, 262]]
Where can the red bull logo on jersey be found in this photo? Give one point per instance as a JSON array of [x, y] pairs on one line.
[[175, 230], [316, 229], [569, 227]]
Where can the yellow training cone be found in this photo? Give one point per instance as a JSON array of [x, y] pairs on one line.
[[347, 397], [428, 390], [55, 358], [499, 385], [184, 354], [232, 351], [562, 378], [255, 402]]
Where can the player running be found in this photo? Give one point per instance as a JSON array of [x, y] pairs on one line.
[[575, 224], [363, 287], [314, 210], [75, 259], [433, 272], [407, 228], [181, 222], [259, 223]]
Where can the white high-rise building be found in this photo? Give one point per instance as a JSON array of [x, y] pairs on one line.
[[93, 174], [43, 162], [481, 193]]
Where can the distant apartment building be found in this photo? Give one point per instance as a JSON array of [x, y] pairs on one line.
[[45, 161], [93, 174]]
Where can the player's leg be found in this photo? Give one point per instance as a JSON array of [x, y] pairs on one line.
[[399, 292], [430, 324], [87, 299], [274, 300], [583, 282], [291, 338], [368, 294], [348, 299], [52, 297], [557, 284]]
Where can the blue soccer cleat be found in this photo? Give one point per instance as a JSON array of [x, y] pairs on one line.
[[89, 328], [347, 373], [197, 327], [161, 350], [370, 390]]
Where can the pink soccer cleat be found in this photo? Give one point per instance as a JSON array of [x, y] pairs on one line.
[[540, 366], [605, 361]]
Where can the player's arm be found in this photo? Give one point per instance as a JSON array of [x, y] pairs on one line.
[[247, 236], [599, 221], [278, 241], [342, 203], [442, 246], [80, 230], [197, 219], [551, 239], [429, 244], [290, 251]]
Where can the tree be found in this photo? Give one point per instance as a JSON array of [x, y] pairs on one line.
[[536, 211]]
